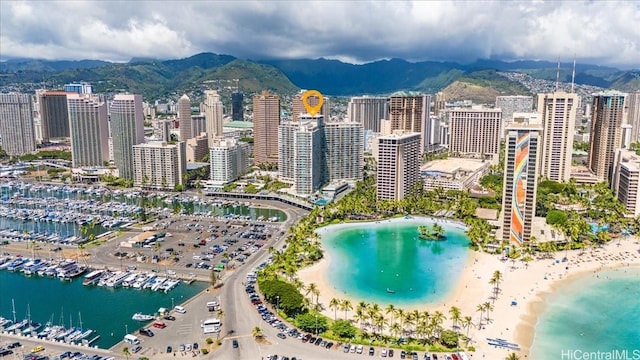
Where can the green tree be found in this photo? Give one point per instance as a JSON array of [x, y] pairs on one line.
[[449, 338], [345, 305], [343, 329], [126, 352], [334, 304], [512, 356], [257, 332], [311, 321], [290, 300]]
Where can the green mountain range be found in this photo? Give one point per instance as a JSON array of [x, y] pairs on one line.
[[157, 79]]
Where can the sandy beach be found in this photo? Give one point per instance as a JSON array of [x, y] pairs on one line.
[[526, 284]]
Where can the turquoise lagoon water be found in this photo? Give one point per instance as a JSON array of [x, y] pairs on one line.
[[369, 258], [591, 314], [108, 311]]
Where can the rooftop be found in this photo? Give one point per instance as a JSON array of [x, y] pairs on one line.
[[239, 124], [452, 165]]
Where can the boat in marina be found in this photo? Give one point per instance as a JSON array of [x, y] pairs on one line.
[[141, 317], [169, 284], [5, 322], [17, 326], [128, 281], [158, 283], [73, 272], [92, 277], [16, 264], [150, 282], [117, 279]]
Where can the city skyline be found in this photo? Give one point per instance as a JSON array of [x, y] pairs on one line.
[[268, 30]]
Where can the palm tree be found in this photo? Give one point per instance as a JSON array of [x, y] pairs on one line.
[[395, 329], [480, 309], [456, 315], [311, 288], [390, 309], [512, 356], [257, 332], [334, 304], [345, 306], [126, 352], [488, 307], [400, 316], [437, 231], [467, 322]]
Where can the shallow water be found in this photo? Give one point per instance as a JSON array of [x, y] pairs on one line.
[[372, 258], [591, 314]]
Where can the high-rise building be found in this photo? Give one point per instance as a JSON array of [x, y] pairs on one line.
[[184, 117], [266, 118], [127, 129], [79, 88], [198, 124], [158, 165], [16, 124], [439, 103], [633, 115], [558, 115], [54, 115], [626, 180], [411, 113], [345, 150], [298, 108], [475, 131], [368, 111], [214, 112], [237, 106], [606, 132], [197, 148], [229, 160], [312, 152], [302, 146], [520, 181], [398, 164], [89, 130], [513, 104]]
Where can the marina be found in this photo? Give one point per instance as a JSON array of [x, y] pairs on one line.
[[68, 269], [70, 312], [65, 214]]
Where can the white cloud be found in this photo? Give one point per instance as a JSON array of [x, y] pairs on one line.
[[597, 31]]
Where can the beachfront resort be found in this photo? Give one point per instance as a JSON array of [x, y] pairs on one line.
[[380, 282]]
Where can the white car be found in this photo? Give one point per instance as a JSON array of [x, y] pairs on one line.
[[359, 349]]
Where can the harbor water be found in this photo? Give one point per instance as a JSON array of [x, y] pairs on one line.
[[108, 311]]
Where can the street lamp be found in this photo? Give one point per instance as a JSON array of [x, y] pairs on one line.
[[126, 328], [316, 324], [172, 306], [277, 303]]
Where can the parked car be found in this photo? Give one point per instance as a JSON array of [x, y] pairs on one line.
[[235, 344], [282, 336]]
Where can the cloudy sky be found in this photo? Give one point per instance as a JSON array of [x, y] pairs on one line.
[[601, 32]]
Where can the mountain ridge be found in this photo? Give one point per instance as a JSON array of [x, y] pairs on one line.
[[161, 78]]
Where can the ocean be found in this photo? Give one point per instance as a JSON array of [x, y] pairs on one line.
[[591, 314], [387, 263], [106, 310]]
